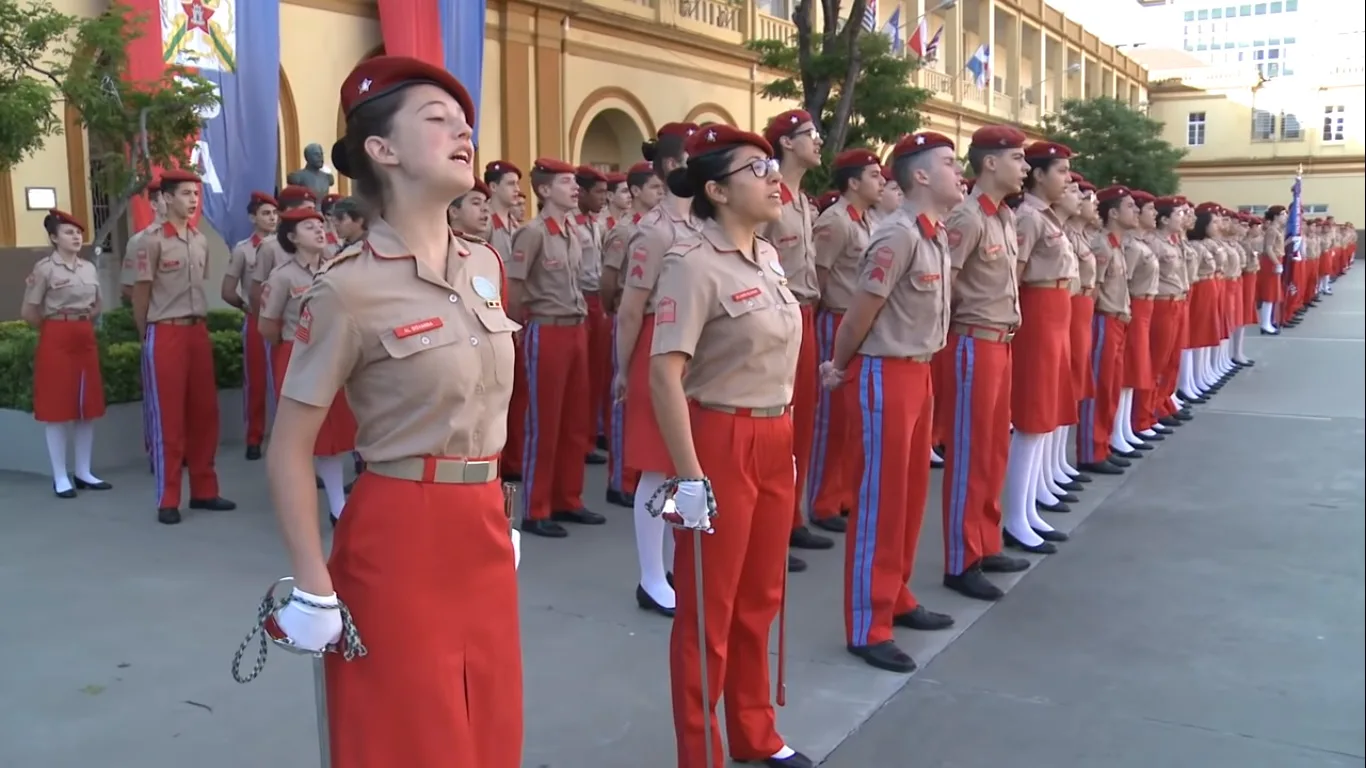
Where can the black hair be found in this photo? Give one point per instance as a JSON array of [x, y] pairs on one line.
[[1044, 164], [255, 205], [1273, 212], [660, 149], [691, 179], [460, 201], [639, 178], [977, 157], [1201, 229], [282, 233], [1013, 201], [586, 182], [349, 206], [1105, 208], [372, 118], [540, 179], [326, 206], [168, 188], [494, 175], [844, 176], [52, 224], [1165, 212]]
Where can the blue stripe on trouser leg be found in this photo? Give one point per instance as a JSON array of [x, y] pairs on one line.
[[152, 402], [815, 471], [963, 371], [531, 347], [870, 499]]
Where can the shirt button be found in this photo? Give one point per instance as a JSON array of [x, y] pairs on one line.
[[455, 299], [474, 342], [426, 340]]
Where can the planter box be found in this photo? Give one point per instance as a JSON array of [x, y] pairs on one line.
[[118, 436]]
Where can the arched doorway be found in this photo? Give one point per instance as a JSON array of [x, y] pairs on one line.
[[611, 142]]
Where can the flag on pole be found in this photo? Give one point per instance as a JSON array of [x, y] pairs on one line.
[[462, 31], [932, 49], [870, 16], [921, 45], [980, 66], [892, 29], [1294, 240], [145, 65], [448, 33]]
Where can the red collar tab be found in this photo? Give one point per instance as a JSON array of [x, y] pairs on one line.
[[854, 214], [256, 240], [927, 228], [988, 207], [1114, 240], [785, 193], [553, 227]]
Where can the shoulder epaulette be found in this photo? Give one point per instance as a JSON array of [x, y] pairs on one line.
[[346, 254], [685, 246]]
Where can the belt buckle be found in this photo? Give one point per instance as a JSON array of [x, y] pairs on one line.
[[1007, 336], [468, 473]]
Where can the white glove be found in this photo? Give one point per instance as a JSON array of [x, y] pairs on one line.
[[688, 507], [1279, 269], [516, 548], [311, 629], [830, 376]]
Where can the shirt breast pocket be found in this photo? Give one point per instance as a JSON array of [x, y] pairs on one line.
[[402, 344], [993, 252], [925, 282], [739, 303], [167, 266], [500, 328]]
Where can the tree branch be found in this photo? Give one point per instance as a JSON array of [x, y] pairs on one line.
[[802, 18], [854, 52]]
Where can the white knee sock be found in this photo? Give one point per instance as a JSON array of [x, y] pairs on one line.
[[651, 535], [1064, 436], [1026, 452], [1264, 316], [85, 446], [1117, 441], [1042, 493], [329, 468], [1126, 403], [1185, 373], [1052, 462], [1047, 468], [1036, 522], [56, 453]]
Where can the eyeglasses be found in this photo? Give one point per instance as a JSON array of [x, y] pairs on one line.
[[814, 133], [761, 167]]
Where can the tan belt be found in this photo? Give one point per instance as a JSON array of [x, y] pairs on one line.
[[983, 332], [561, 321], [755, 413], [179, 321], [434, 469], [1088, 291], [70, 317], [1172, 297], [1145, 297], [1120, 316], [1059, 283]]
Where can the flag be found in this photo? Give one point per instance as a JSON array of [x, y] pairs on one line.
[[234, 44], [980, 66], [870, 16], [916, 45], [145, 65], [462, 31], [1294, 240], [932, 49], [447, 33], [892, 29]]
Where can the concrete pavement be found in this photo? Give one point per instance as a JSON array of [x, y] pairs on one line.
[[1219, 590]]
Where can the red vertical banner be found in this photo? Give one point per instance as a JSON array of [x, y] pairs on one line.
[[412, 28], [146, 64]]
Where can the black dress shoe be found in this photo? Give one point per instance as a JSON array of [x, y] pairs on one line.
[[1247, 363], [795, 564], [601, 444], [1144, 446], [1072, 485], [1185, 416], [1003, 563], [1101, 468], [803, 538], [318, 482], [1171, 421], [253, 453], [1068, 498], [885, 655], [621, 498], [1155, 437], [922, 619], [936, 463], [974, 584], [1130, 454], [1276, 332], [1083, 478], [82, 485], [834, 524], [168, 515], [648, 603], [1051, 535], [594, 459], [547, 528], [512, 477], [1163, 429], [69, 493], [332, 521], [216, 504], [1119, 461], [580, 516], [1189, 398], [1042, 548], [795, 760]]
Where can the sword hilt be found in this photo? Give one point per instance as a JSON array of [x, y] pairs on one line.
[[509, 502]]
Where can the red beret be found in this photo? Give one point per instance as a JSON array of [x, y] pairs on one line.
[[63, 217], [153, 186], [887, 174], [295, 193], [785, 123], [828, 199], [553, 166], [502, 166], [1086, 186], [297, 215], [177, 174], [589, 172], [1113, 193], [720, 137], [616, 177], [1077, 178], [856, 158], [264, 199], [998, 137], [644, 166], [330, 198], [383, 75], [1210, 208], [1047, 149], [1141, 197], [915, 143], [482, 188], [1168, 201], [680, 130]]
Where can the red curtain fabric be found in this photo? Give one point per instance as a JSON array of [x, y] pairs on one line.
[[412, 28]]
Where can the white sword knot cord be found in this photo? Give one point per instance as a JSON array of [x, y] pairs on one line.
[[660, 498], [350, 645]]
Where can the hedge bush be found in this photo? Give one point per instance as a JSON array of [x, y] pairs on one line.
[[120, 356]]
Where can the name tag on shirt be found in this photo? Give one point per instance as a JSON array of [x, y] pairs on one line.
[[745, 295], [421, 326], [992, 250], [299, 291]]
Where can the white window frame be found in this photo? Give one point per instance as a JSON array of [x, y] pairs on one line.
[[1334, 124], [1196, 127]]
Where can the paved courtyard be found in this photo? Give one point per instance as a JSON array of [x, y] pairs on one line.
[[1208, 612]]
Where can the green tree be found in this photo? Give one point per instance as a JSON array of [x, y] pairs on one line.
[[1116, 144], [49, 59], [853, 84]]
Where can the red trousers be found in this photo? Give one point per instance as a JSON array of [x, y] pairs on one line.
[[618, 477], [941, 371], [1098, 411], [67, 385], [257, 375], [1164, 344], [600, 348], [556, 366], [804, 397], [427, 572], [893, 402], [832, 473], [976, 393], [744, 564], [515, 445], [182, 409]]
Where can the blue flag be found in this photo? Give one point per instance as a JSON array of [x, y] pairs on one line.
[[462, 35], [236, 46], [1294, 242]]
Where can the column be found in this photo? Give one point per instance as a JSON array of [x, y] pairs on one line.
[[517, 95], [550, 136], [953, 48], [1012, 84], [1040, 74], [990, 39]]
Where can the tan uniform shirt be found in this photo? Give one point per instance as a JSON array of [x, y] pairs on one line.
[[734, 316], [546, 260], [128, 275], [1206, 259], [908, 264], [501, 230], [59, 288], [791, 234], [618, 239], [1048, 254], [1086, 261], [1171, 263], [985, 252], [268, 254], [841, 237], [1274, 245], [425, 356], [658, 231], [283, 294], [1142, 265], [589, 233], [243, 263], [176, 265], [1251, 254], [1112, 279]]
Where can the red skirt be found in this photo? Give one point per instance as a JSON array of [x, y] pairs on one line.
[[1083, 309], [66, 373], [1268, 283], [338, 432], [1232, 292], [1205, 325], [1039, 352], [1138, 356], [1249, 305], [644, 446]]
